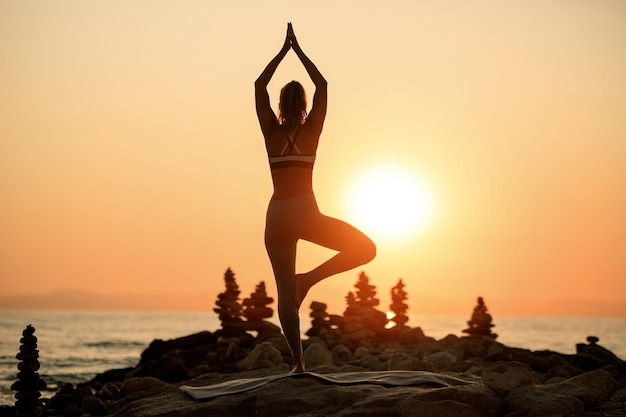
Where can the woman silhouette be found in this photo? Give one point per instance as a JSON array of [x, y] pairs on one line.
[[291, 141]]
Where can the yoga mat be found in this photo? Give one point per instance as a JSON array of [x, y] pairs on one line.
[[388, 378]]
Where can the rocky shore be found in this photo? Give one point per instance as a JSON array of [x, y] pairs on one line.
[[496, 380], [505, 381]]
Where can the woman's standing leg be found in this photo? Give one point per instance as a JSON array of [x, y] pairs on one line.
[[283, 263], [281, 249]]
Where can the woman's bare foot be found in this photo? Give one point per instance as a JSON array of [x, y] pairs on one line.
[[297, 370], [298, 367], [303, 285]]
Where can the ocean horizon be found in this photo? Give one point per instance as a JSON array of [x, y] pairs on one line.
[[74, 346]]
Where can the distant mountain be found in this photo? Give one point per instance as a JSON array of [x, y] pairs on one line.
[[75, 299]]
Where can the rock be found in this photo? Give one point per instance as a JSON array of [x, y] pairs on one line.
[[93, 405], [593, 356], [170, 368], [601, 380], [477, 396], [592, 388], [545, 360], [73, 410], [232, 350], [317, 355], [110, 391], [270, 329], [66, 397], [352, 325], [402, 361], [264, 355], [360, 352], [132, 385], [445, 408], [496, 353], [562, 372], [370, 362], [503, 377], [281, 344], [159, 348], [440, 360], [463, 367], [342, 353], [531, 401], [415, 335]]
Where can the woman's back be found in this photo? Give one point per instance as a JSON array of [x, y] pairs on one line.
[[291, 156]]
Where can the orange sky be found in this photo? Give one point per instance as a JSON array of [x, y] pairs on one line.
[[131, 160]]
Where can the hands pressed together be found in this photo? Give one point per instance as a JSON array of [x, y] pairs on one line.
[[292, 43], [290, 39]]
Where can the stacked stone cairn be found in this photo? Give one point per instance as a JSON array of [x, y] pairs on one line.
[[592, 356], [256, 308], [480, 323], [28, 385], [229, 309], [321, 319], [398, 306], [361, 321]]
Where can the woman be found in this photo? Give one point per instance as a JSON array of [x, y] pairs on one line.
[[291, 141]]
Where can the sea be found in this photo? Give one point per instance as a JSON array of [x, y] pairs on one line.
[[75, 346]]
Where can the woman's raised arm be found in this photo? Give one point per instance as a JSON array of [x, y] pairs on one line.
[[318, 111], [264, 111]]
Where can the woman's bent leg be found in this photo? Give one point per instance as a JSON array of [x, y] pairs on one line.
[[354, 248]]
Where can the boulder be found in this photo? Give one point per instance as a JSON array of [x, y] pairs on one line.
[[531, 401], [169, 368], [402, 361], [477, 396], [360, 352], [317, 355], [440, 360], [592, 388], [110, 391], [446, 408], [93, 405], [264, 355], [159, 348], [132, 385], [593, 356], [342, 354], [562, 373], [502, 377], [370, 362]]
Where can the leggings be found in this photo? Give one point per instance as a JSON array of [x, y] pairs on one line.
[[298, 218], [289, 220]]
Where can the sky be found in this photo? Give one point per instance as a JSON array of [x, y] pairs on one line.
[[131, 160]]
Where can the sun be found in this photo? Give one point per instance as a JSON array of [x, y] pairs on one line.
[[390, 202]]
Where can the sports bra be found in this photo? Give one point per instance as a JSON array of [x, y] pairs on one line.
[[290, 156]]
